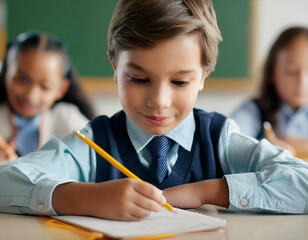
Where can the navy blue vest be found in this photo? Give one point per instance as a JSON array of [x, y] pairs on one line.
[[201, 163]]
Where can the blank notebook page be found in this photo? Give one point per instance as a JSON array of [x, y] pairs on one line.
[[163, 222]]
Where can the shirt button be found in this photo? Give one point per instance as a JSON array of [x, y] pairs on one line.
[[244, 202], [40, 207]]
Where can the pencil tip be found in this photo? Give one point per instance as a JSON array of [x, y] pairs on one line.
[[175, 211], [78, 133], [267, 125]]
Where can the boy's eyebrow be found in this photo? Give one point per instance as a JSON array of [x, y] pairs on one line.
[[137, 67]]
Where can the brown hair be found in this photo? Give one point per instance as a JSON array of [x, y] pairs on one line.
[[269, 100], [144, 23]]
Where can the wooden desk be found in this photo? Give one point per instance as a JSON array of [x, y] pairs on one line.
[[239, 226]]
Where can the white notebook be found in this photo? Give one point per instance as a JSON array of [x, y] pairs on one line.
[[164, 222]]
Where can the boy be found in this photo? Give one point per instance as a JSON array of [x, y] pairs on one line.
[[161, 52]]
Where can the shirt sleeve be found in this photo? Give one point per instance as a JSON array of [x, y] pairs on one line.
[[248, 118], [262, 177], [27, 183]]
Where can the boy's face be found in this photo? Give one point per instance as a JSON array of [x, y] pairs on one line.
[[158, 86]]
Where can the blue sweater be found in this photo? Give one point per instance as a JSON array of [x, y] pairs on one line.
[[200, 163]]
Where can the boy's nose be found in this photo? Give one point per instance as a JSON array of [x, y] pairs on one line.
[[159, 98], [32, 94]]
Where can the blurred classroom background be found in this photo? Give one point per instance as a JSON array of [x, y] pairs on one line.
[[248, 28]]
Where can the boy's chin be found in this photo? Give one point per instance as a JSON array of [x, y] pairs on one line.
[[157, 130]]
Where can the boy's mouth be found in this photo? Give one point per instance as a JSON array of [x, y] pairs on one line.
[[155, 120]]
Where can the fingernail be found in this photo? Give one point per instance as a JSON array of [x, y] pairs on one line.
[[163, 200]]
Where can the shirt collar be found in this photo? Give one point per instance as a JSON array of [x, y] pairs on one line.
[[287, 111], [22, 121], [183, 134]]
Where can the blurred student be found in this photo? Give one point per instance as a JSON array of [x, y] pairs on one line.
[[39, 95], [283, 98]]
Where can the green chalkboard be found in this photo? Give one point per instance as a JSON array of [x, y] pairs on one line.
[[233, 17], [83, 25]]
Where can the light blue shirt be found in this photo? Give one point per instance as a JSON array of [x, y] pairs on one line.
[[182, 135], [28, 133], [291, 123], [257, 173]]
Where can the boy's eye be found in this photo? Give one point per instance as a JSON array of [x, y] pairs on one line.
[[139, 81], [23, 79], [180, 83]]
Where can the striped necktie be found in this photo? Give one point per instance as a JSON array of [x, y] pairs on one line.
[[159, 147]]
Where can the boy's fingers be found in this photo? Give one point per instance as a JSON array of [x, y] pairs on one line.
[[151, 192], [139, 212], [147, 203]]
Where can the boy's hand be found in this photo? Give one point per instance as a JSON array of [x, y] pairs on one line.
[[7, 151], [194, 195], [124, 199]]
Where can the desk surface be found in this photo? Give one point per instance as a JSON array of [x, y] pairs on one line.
[[239, 226]]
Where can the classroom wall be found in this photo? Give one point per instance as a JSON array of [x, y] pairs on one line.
[[267, 18], [274, 16], [83, 25], [3, 15]]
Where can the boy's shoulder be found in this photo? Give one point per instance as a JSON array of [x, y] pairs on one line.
[[207, 115], [209, 121], [117, 115], [118, 119]]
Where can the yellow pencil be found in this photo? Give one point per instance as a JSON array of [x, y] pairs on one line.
[[268, 130], [114, 162]]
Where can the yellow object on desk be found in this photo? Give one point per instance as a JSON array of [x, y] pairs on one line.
[[114, 162], [88, 235]]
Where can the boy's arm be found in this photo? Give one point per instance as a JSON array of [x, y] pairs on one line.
[[259, 177], [30, 180], [124, 199], [194, 195]]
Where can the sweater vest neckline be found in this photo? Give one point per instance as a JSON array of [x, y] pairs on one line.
[[200, 163]]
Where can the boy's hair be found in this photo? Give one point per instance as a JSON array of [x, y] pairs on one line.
[[144, 23], [41, 41], [269, 100]]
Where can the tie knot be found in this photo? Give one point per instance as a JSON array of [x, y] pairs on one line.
[[159, 146]]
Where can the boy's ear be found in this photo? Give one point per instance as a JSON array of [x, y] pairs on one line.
[[63, 88], [111, 61], [204, 76], [115, 77]]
